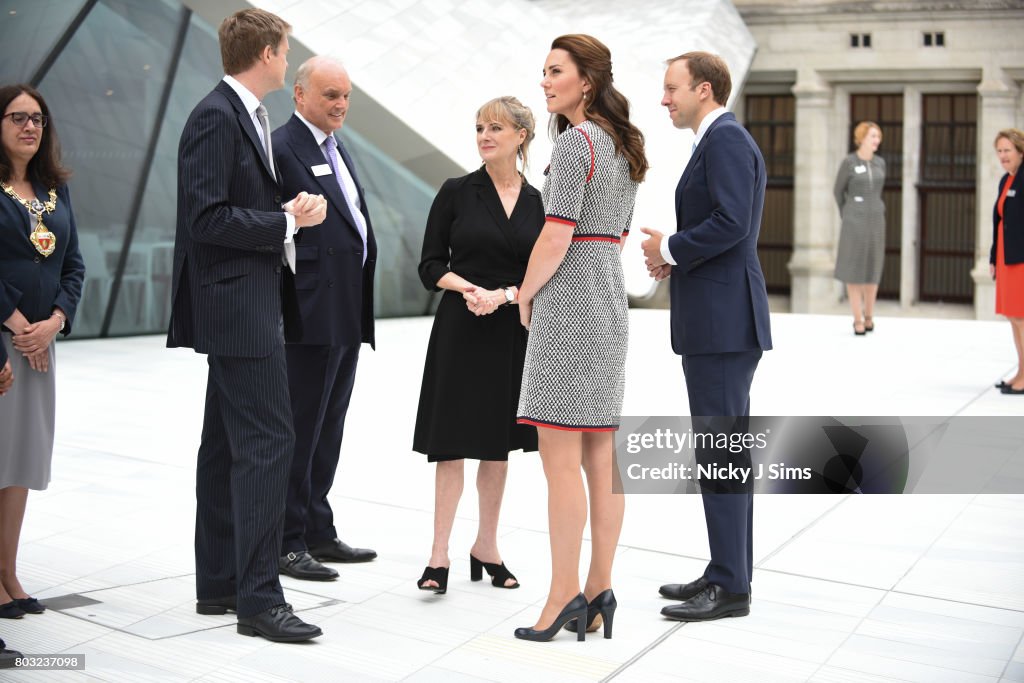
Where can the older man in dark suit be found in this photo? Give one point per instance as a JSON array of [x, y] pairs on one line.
[[232, 296], [334, 284], [720, 323]]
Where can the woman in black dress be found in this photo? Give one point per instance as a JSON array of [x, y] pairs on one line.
[[478, 239]]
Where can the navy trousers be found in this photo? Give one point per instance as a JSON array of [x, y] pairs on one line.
[[320, 380], [241, 478], [718, 387]]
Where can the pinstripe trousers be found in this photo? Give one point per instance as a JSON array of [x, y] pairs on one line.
[[242, 479]]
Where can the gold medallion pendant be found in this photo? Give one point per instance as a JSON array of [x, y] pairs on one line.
[[41, 238]]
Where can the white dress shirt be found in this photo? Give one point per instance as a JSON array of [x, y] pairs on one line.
[[251, 104], [350, 190]]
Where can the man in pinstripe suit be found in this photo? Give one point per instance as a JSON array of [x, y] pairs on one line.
[[232, 298]]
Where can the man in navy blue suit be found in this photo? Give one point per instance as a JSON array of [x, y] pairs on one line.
[[720, 323], [232, 298], [334, 284]]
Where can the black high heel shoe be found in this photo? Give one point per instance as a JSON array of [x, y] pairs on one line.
[[604, 606], [437, 574], [576, 609], [499, 573]]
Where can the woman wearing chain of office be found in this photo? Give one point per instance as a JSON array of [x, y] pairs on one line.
[[41, 273]]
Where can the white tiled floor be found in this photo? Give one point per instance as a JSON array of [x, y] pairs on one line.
[[849, 588]]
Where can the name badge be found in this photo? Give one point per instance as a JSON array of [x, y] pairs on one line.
[[860, 169], [1011, 193], [858, 199], [320, 169]]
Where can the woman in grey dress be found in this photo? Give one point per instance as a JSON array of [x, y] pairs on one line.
[[858, 192], [41, 274], [573, 301]]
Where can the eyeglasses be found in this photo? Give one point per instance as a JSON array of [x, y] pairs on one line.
[[20, 118]]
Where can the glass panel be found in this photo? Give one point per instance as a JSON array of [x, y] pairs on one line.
[[103, 92], [399, 203], [152, 249], [29, 29]]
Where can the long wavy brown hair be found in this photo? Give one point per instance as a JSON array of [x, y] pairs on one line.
[[606, 106], [45, 167]]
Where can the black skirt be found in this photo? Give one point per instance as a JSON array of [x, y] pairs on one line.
[[471, 381]]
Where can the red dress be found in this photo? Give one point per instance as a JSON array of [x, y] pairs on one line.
[[1009, 279]]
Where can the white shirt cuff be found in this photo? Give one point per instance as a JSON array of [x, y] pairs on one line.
[[290, 232], [665, 253]]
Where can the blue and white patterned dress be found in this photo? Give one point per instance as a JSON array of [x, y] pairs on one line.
[[576, 354]]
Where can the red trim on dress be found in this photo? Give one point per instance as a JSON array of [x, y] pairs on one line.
[[596, 238], [564, 428], [593, 159], [564, 221]]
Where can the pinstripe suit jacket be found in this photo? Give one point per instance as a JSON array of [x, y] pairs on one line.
[[230, 289]]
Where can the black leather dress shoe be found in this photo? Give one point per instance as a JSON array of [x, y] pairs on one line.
[[683, 591], [301, 565], [1008, 389], [336, 550], [216, 605], [713, 602], [278, 624]]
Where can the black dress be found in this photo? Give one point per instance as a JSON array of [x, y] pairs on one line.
[[474, 365]]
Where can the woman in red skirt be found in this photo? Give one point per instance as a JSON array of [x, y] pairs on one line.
[[1006, 261]]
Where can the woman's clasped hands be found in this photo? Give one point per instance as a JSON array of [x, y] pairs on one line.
[[483, 301], [33, 340]]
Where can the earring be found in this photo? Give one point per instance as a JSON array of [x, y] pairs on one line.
[[519, 151]]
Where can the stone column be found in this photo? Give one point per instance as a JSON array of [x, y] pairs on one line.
[[909, 246], [997, 100], [812, 265]]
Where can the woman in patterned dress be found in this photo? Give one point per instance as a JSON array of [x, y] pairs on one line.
[[858, 192], [1006, 260], [573, 301]]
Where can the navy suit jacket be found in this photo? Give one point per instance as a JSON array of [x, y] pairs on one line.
[[1013, 221], [719, 301], [334, 287], [35, 284], [8, 302], [230, 289]]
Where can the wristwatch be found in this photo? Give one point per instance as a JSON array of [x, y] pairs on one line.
[[509, 296]]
